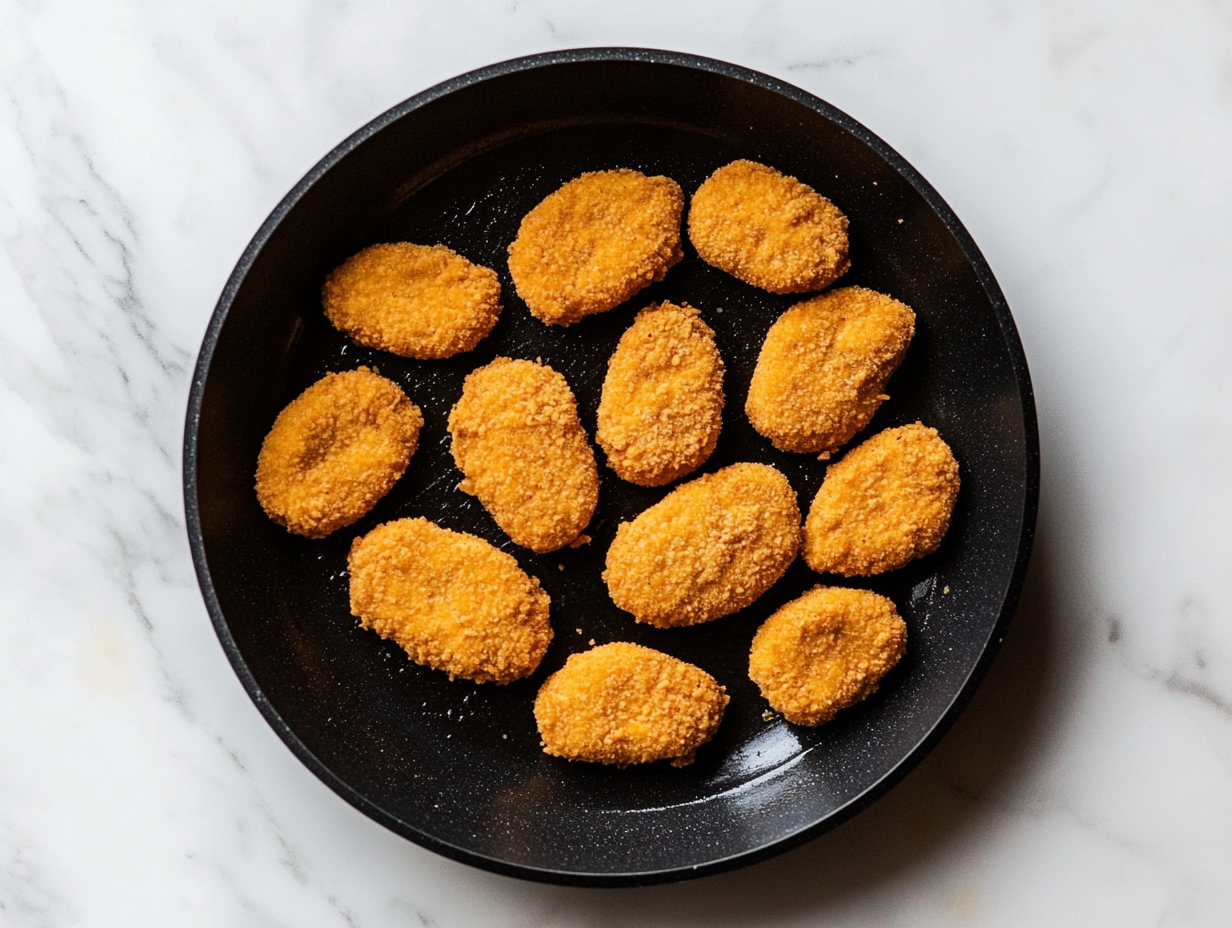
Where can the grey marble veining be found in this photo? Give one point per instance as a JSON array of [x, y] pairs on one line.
[[1087, 148]]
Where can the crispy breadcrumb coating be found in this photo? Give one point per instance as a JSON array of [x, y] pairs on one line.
[[768, 230], [826, 651], [823, 367], [662, 405], [625, 704], [517, 438], [707, 549], [335, 450], [887, 502], [418, 301], [595, 242], [454, 602]]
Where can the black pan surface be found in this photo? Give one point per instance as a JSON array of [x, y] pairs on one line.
[[458, 767]]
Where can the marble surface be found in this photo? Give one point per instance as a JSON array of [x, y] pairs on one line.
[[1088, 148]]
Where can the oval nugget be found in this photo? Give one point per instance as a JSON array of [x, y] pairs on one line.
[[662, 405], [418, 301], [625, 704], [826, 651], [595, 242], [887, 502], [823, 367], [707, 549], [454, 602], [517, 438], [335, 450], [768, 230]]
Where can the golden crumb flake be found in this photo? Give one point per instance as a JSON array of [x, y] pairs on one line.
[[454, 602], [335, 450], [625, 704], [662, 405], [887, 502], [517, 438], [595, 242], [707, 549]]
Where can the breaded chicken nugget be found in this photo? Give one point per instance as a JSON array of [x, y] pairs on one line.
[[595, 242], [418, 301], [768, 230], [454, 602], [662, 405], [624, 704], [707, 549], [517, 438], [826, 651], [335, 450], [887, 502], [823, 367]]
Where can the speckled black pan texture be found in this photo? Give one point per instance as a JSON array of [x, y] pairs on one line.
[[457, 767]]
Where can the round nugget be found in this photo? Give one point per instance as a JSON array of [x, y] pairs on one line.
[[707, 549], [454, 602], [768, 230], [595, 242], [823, 367], [517, 438], [419, 301], [826, 651], [887, 502], [625, 704], [662, 405], [335, 450]]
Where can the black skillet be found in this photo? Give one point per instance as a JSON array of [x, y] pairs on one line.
[[457, 767]]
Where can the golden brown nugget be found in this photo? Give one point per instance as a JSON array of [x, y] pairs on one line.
[[335, 450], [707, 549], [887, 502], [625, 704], [662, 405], [595, 242], [517, 438], [454, 602], [826, 651], [823, 367], [768, 230], [419, 301]]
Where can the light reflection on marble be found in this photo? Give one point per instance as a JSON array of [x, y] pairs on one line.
[[1087, 148]]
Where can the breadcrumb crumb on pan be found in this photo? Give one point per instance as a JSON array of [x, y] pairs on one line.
[[418, 301], [823, 368], [518, 441], [887, 502], [453, 601], [768, 229], [707, 549], [826, 651], [662, 406], [335, 450], [595, 242], [624, 704]]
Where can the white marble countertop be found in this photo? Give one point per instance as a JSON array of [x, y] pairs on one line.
[[1087, 147]]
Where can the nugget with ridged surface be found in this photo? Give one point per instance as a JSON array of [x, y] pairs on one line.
[[707, 549], [823, 367], [768, 230], [887, 502], [519, 442], [662, 405], [335, 450], [454, 602], [826, 651], [595, 242], [625, 704], [419, 301]]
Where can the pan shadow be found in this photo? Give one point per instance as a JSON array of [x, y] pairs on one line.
[[942, 803]]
